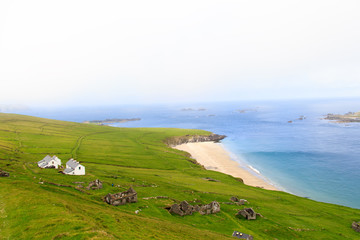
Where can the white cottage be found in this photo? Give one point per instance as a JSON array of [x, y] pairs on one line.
[[49, 162], [73, 167]]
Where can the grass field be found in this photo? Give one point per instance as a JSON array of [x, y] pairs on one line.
[[32, 207]]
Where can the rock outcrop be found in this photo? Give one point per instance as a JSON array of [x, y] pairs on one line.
[[129, 196], [238, 201], [356, 226], [193, 138], [248, 213], [4, 174], [184, 208], [94, 185], [346, 118]]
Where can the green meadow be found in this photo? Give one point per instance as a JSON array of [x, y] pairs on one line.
[[45, 204]]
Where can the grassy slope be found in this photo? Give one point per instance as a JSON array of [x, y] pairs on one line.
[[138, 158]]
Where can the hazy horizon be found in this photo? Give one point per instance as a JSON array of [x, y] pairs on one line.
[[83, 53]]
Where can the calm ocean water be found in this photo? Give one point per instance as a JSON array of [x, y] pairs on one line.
[[312, 158]]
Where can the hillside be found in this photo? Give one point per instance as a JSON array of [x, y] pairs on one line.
[[32, 207]]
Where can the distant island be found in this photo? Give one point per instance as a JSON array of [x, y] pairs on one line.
[[112, 120], [345, 118], [246, 110], [192, 109], [302, 117]]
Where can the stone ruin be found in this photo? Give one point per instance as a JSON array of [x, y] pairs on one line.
[[4, 174], [249, 213], [94, 185], [238, 201], [129, 196], [184, 208], [356, 226]]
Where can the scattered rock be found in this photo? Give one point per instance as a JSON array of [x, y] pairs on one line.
[[94, 185], [4, 174], [184, 208], [129, 196], [238, 201], [234, 199], [242, 235], [356, 226], [249, 213]]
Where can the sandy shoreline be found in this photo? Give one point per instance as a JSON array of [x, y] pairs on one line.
[[214, 157]]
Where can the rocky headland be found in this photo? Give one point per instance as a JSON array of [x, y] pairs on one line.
[[174, 141], [345, 118]]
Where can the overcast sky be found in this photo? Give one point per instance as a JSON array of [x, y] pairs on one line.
[[114, 52]]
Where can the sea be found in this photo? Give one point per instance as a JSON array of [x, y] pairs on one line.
[[287, 143]]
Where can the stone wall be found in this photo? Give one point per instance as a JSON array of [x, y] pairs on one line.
[[129, 196]]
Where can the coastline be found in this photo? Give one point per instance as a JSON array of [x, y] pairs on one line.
[[214, 156]]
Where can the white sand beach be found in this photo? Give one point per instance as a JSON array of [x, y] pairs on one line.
[[214, 157]]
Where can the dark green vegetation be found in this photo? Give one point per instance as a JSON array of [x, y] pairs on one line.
[[138, 158]]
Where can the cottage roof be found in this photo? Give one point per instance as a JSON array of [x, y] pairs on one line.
[[47, 158], [72, 163], [68, 170], [43, 164]]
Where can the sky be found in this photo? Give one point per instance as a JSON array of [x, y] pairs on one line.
[[73, 53]]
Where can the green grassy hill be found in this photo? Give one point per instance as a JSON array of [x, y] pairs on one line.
[[32, 207]]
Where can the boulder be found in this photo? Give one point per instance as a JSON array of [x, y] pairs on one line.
[[94, 185], [129, 196], [4, 174], [238, 201], [248, 213], [234, 199], [356, 226]]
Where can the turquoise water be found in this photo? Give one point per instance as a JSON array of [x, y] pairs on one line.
[[312, 158]]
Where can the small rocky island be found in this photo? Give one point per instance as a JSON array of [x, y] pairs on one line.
[[193, 109], [345, 118], [112, 120]]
